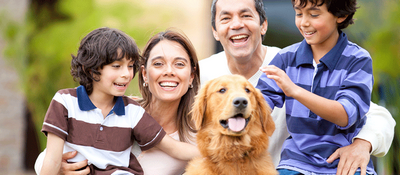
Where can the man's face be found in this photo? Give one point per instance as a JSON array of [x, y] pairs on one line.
[[238, 28]]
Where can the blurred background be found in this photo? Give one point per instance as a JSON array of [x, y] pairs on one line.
[[37, 38]]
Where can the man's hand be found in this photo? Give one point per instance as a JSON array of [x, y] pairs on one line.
[[72, 168], [352, 157]]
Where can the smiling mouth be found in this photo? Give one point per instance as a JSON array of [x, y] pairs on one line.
[[236, 123], [119, 85], [169, 84], [309, 33], [239, 38]]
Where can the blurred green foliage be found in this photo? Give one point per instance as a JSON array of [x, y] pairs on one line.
[[377, 29], [41, 47]]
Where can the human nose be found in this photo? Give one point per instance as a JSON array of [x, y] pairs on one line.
[[169, 70], [236, 23], [304, 21], [126, 72]]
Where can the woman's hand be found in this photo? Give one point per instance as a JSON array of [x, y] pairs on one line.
[[73, 168]]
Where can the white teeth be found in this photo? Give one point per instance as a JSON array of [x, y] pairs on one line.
[[122, 85], [239, 37], [168, 84], [309, 33]]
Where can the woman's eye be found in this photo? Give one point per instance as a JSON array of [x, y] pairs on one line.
[[116, 65], [314, 15], [180, 64]]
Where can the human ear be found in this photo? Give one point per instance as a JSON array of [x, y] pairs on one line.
[[264, 27], [341, 19], [144, 73], [215, 34]]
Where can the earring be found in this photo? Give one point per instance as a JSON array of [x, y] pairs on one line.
[[190, 86], [145, 84]]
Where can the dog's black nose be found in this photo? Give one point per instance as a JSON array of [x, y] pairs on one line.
[[240, 102]]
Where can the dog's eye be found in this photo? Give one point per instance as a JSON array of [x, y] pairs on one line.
[[222, 90], [247, 90]]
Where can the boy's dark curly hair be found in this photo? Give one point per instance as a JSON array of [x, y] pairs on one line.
[[339, 8], [101, 47]]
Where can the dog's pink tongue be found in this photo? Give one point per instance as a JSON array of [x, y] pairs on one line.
[[236, 124]]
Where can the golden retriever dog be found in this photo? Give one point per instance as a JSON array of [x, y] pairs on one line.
[[234, 125]]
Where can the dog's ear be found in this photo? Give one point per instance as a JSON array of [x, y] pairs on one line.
[[199, 107], [265, 114]]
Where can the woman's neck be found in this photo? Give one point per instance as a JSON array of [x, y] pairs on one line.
[[165, 114]]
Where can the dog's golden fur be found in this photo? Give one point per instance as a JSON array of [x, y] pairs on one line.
[[225, 151]]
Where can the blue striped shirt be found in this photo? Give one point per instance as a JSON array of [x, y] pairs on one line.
[[344, 74]]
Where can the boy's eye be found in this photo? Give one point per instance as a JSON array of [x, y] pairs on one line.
[[157, 64], [314, 15], [116, 65]]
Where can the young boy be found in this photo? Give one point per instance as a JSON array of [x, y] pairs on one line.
[[326, 82], [96, 119]]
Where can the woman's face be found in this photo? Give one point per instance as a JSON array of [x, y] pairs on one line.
[[168, 72]]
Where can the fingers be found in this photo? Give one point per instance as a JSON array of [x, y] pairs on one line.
[[333, 156], [69, 155], [71, 168], [80, 172], [340, 166], [270, 69], [364, 169]]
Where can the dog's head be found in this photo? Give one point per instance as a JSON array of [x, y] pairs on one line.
[[230, 105]]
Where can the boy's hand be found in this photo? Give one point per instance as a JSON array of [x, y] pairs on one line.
[[352, 157], [72, 168], [281, 79]]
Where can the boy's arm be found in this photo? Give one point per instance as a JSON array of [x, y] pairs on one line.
[[330, 110], [178, 150], [54, 149]]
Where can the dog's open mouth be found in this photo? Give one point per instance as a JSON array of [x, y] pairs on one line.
[[236, 123]]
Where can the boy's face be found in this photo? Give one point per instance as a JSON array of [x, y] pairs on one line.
[[238, 28], [317, 25], [168, 72], [114, 78]]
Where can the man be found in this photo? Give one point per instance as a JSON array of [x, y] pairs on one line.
[[240, 26]]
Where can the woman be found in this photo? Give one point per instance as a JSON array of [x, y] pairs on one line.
[[169, 79]]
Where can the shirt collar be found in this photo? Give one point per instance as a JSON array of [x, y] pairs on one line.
[[85, 104], [304, 53]]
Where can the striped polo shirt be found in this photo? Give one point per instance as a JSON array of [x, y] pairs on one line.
[[105, 142], [344, 74]]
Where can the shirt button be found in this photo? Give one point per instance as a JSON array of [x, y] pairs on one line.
[[101, 128]]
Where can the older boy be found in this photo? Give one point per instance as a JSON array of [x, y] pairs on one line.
[[326, 82]]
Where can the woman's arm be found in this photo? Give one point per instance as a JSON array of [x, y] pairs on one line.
[[178, 150], [54, 150]]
